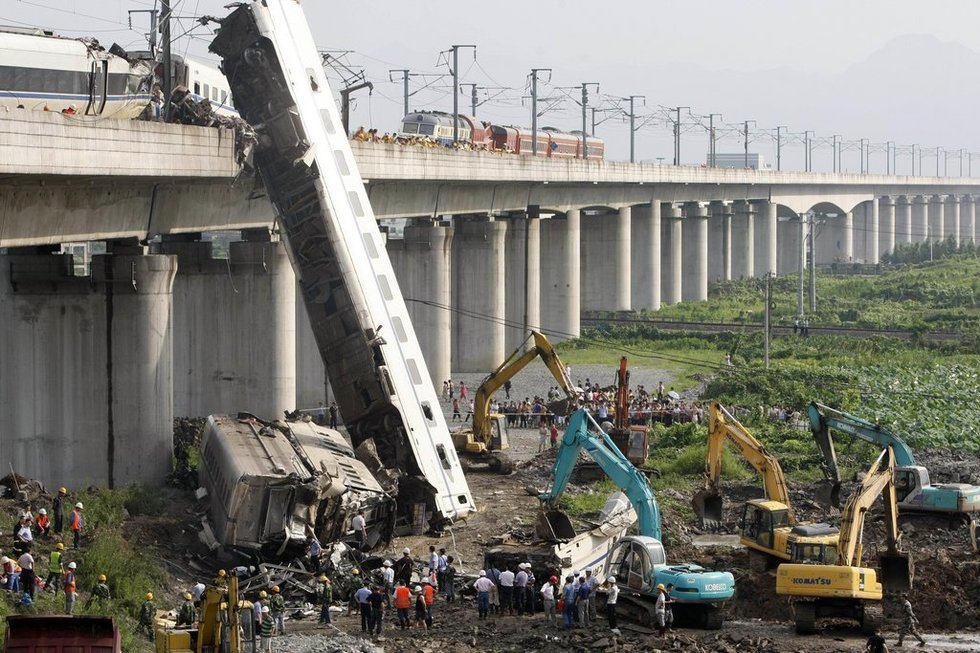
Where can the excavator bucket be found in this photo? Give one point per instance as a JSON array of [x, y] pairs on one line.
[[896, 571], [708, 506], [828, 493], [554, 526]]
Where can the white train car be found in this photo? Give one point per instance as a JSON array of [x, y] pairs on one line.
[[42, 71], [205, 82]]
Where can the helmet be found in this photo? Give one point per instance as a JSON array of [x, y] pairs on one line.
[[222, 573], [612, 579], [60, 546], [4, 560], [265, 609], [323, 579], [72, 565], [418, 589], [660, 586], [386, 563], [275, 589], [426, 581], [554, 579], [79, 505], [62, 490], [406, 551], [251, 569], [262, 594], [42, 511], [483, 573], [520, 565], [355, 571], [101, 578], [149, 596], [188, 596]]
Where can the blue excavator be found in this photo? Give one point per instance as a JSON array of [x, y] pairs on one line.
[[638, 562], [916, 493]]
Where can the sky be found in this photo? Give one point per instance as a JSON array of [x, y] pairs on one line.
[[883, 70]]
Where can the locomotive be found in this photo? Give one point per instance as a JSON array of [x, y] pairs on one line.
[[552, 143]]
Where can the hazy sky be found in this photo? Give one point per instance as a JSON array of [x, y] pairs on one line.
[[779, 62]]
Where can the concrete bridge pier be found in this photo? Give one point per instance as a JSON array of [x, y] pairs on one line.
[[951, 218], [86, 371], [789, 245], [235, 328], [903, 220], [421, 260], [886, 225], [523, 249], [606, 258], [937, 220], [561, 270], [720, 241], [646, 257], [479, 294], [743, 241], [872, 221], [968, 220], [920, 218], [673, 246], [695, 265]]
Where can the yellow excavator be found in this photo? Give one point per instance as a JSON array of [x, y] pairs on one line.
[[225, 624], [845, 589], [769, 528], [488, 437]]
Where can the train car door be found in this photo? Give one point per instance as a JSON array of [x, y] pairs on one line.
[[98, 88]]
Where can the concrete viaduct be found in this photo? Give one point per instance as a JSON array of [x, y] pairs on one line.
[[94, 368]]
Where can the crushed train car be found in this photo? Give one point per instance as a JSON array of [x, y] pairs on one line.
[[270, 484]]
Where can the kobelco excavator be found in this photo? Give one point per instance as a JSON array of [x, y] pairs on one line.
[[846, 589], [769, 528]]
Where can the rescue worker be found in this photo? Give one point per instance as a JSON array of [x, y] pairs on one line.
[[148, 613], [277, 606], [660, 609], [669, 616], [429, 592], [221, 581], [56, 567], [326, 598], [356, 583], [186, 613], [910, 623], [266, 629], [403, 604], [27, 576], [612, 596], [361, 598], [388, 575], [403, 567], [548, 596], [100, 592], [450, 580], [483, 586], [582, 595], [593, 583], [76, 523], [69, 585], [313, 550], [257, 606], [58, 508], [376, 602], [43, 523]]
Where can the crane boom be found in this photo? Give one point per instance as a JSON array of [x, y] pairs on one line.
[[359, 318]]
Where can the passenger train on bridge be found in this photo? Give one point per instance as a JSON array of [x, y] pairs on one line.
[[552, 143], [40, 70]]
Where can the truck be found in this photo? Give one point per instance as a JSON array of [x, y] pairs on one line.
[[488, 438], [769, 528], [916, 492], [360, 322], [49, 633], [845, 589], [638, 562]]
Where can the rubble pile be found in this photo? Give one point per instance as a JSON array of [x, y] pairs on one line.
[[332, 642]]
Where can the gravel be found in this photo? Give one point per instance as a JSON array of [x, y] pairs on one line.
[[330, 641]]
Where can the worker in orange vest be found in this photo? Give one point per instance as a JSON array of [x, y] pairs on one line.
[[403, 603], [429, 593], [70, 595], [75, 522]]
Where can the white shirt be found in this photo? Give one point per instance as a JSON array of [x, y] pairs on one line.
[[433, 561], [443, 563], [25, 534], [521, 579], [548, 592], [507, 578], [26, 561], [358, 523], [389, 575], [612, 595], [661, 605], [198, 591], [483, 584]]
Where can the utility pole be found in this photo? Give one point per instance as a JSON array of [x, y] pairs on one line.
[[961, 162], [151, 36], [779, 147], [801, 264], [473, 97], [837, 149], [404, 72], [747, 141], [712, 150], [813, 264], [455, 50], [912, 159], [534, 108], [938, 150], [808, 155], [168, 63], [890, 157], [677, 136], [766, 320], [345, 94], [585, 104], [633, 99], [864, 169]]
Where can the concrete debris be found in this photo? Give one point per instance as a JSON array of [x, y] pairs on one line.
[[328, 642]]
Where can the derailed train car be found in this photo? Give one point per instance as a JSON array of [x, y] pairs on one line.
[[270, 484]]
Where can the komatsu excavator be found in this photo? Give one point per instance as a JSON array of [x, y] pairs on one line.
[[488, 438], [226, 624], [846, 589], [769, 526], [638, 562]]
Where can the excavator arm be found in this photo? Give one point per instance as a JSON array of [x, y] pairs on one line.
[[612, 461], [482, 430], [722, 426]]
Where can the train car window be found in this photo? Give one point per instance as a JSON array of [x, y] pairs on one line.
[[427, 129], [197, 88], [207, 91], [214, 93]]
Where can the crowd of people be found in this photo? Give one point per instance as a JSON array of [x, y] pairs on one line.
[[363, 135]]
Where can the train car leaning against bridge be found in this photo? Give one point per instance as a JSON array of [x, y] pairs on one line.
[[42, 71]]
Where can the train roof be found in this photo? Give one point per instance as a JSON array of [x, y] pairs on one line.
[[438, 118]]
